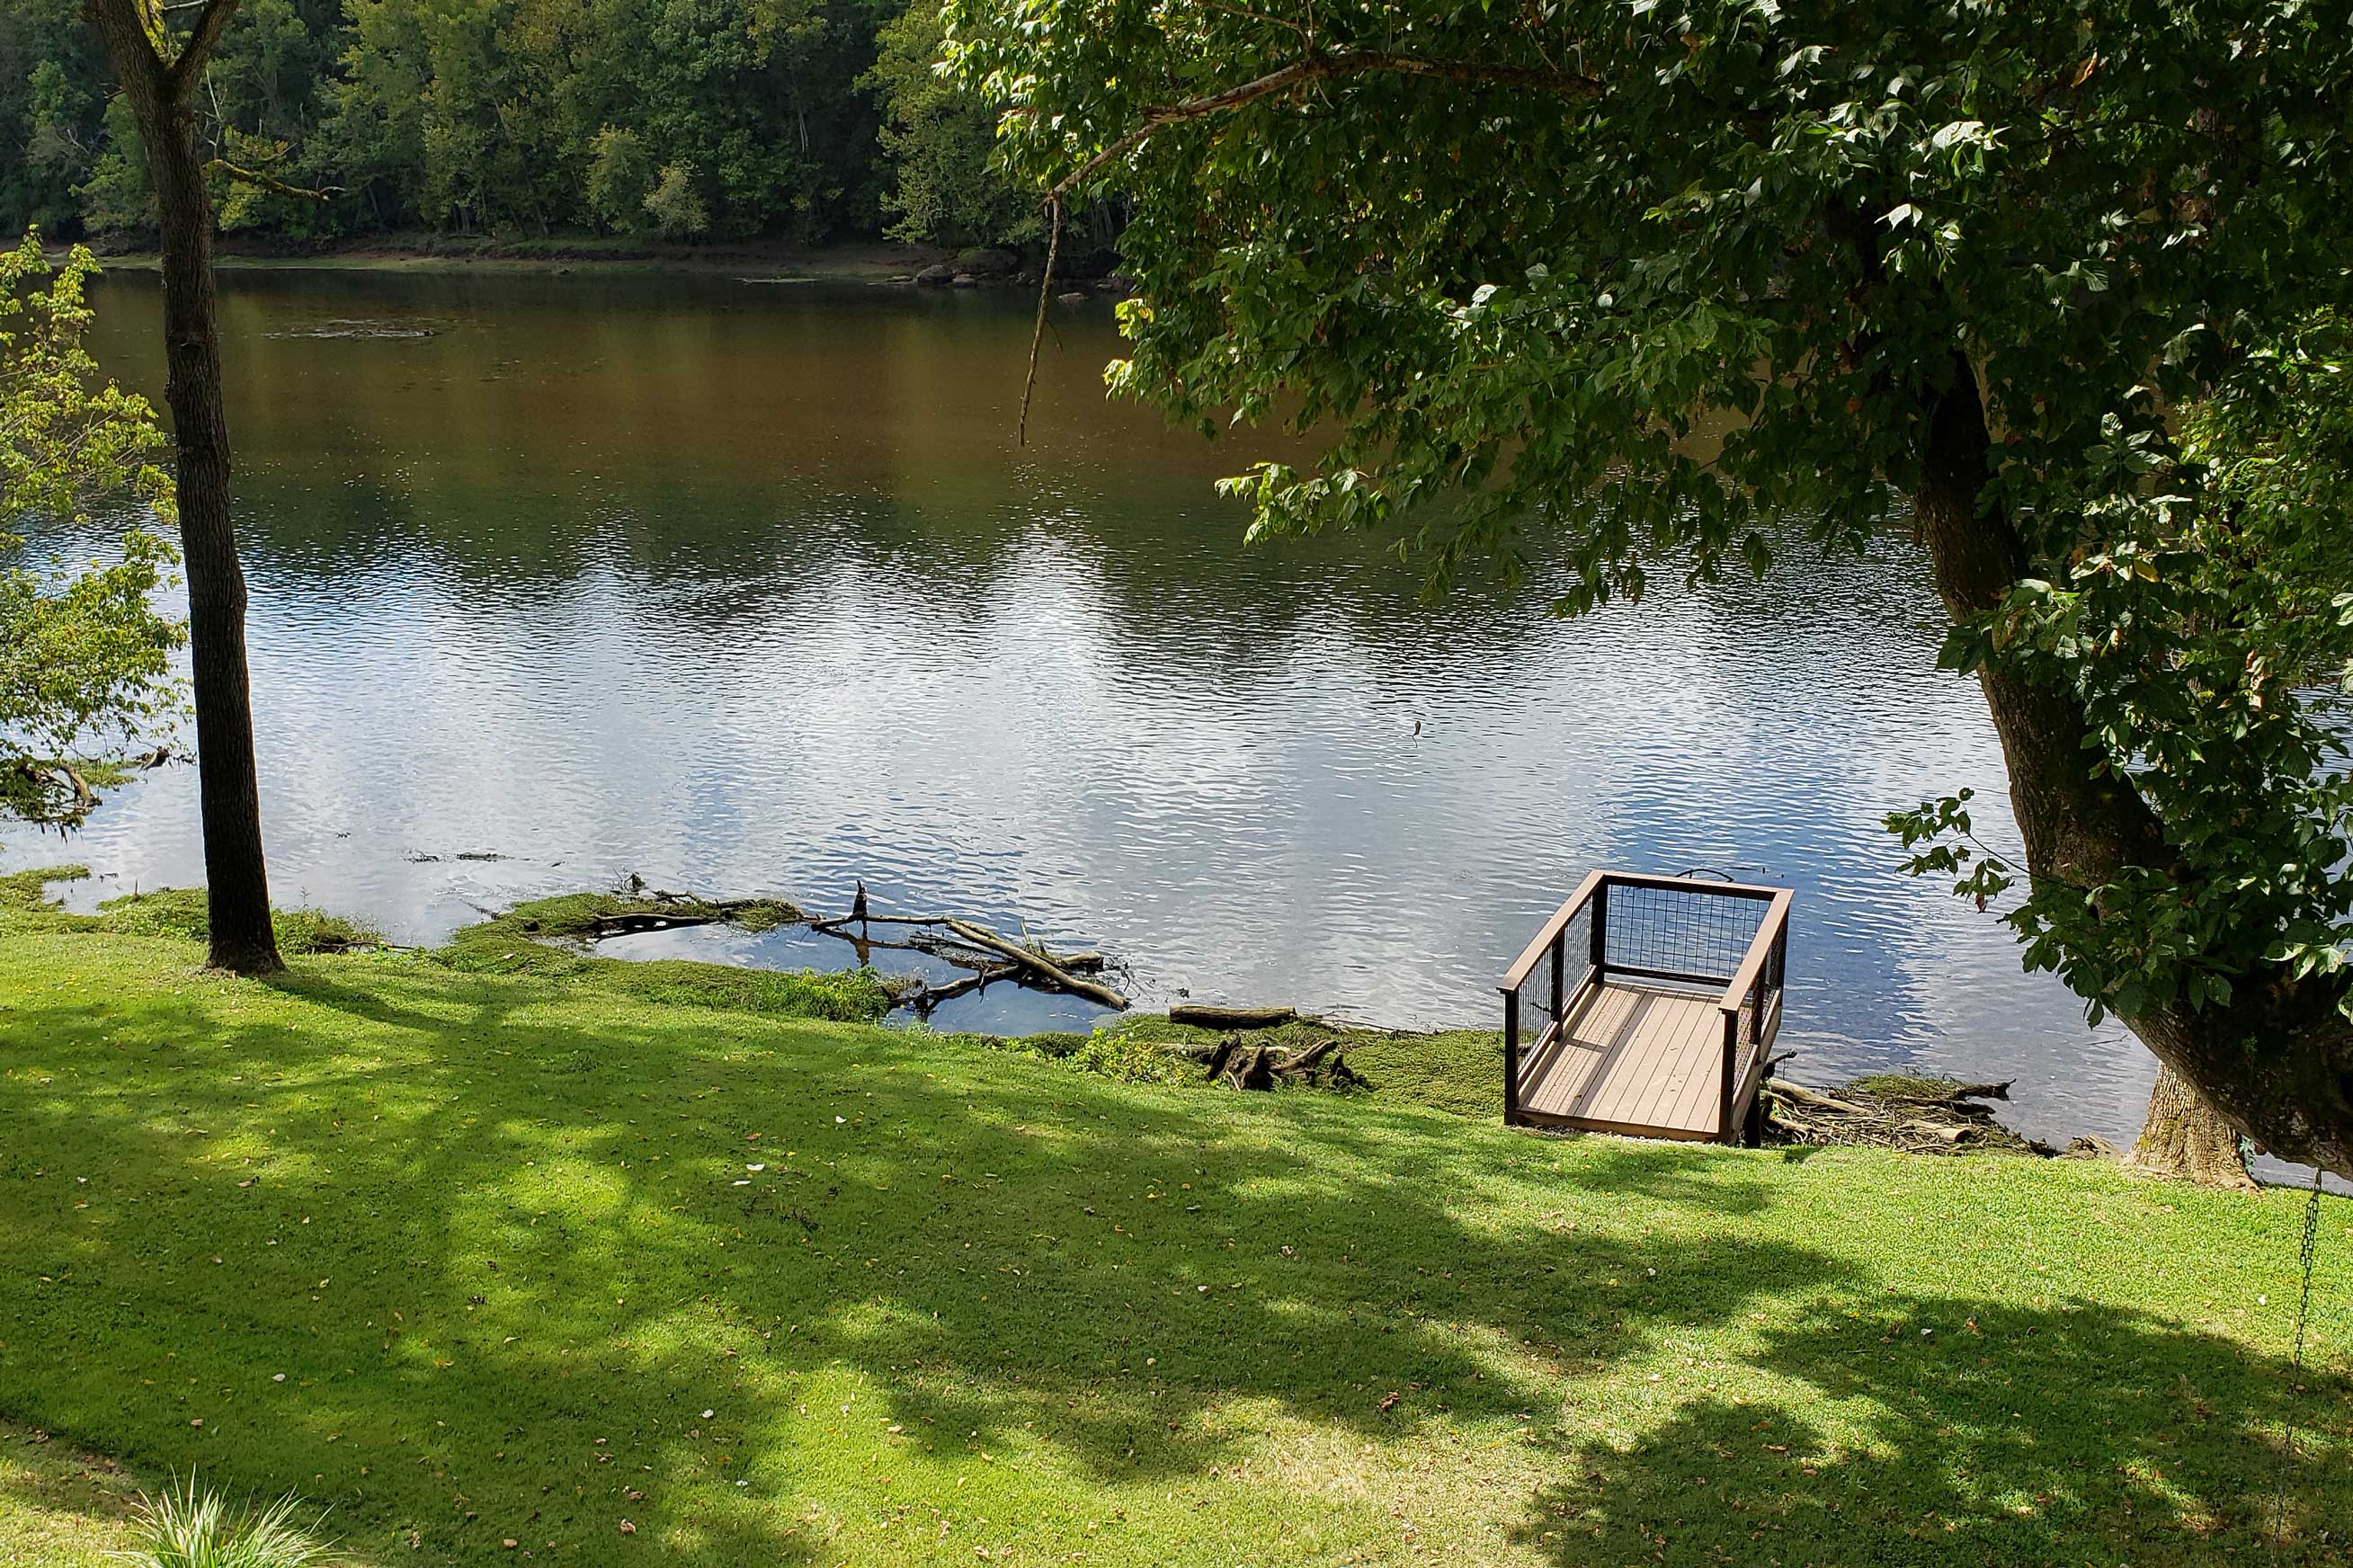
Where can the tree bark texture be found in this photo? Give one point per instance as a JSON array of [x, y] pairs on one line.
[[2185, 1137]]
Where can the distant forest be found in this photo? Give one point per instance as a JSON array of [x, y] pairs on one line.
[[806, 120]]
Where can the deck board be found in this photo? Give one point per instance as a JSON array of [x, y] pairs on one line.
[[1633, 1058]]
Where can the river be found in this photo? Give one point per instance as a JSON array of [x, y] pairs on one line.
[[746, 586]]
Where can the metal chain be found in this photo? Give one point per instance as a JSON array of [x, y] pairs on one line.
[[2304, 1254]]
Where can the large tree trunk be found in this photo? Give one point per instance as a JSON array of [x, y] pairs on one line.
[[2277, 1063], [236, 881], [2186, 1137]]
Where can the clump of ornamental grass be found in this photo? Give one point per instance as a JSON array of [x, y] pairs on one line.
[[188, 1527]]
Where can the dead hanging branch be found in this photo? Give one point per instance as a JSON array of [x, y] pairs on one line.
[[52, 793], [1037, 332]]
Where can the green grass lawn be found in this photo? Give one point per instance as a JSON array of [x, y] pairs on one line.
[[59, 1507], [616, 1274]]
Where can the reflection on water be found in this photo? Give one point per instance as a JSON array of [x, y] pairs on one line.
[[747, 589]]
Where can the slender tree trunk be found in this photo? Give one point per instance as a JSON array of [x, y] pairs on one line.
[[2277, 1061], [2186, 1137], [236, 879]]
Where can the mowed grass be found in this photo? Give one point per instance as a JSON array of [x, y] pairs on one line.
[[477, 1257], [59, 1507]]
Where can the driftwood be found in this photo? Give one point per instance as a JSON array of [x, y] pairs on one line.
[[677, 909], [964, 943], [970, 945], [1243, 1064], [1062, 977], [1923, 1116], [1208, 1017]]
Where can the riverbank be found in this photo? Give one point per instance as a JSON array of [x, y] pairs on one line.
[[756, 261], [477, 1256]]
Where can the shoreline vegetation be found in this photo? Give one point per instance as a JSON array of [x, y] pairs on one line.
[[1248, 1048], [508, 1242], [751, 261]]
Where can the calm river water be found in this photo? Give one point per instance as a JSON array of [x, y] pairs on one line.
[[746, 586]]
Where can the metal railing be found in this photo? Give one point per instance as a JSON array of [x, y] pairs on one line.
[[1664, 930]]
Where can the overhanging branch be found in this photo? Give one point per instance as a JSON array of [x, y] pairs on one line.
[[1326, 67], [264, 182]]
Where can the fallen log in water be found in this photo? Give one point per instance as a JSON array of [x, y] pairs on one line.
[[967, 944], [981, 936], [990, 957], [656, 909]]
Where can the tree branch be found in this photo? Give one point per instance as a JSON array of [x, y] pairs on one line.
[[276, 187], [1326, 68], [124, 28], [202, 39]]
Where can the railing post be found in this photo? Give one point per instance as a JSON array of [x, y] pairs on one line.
[[1600, 943], [1724, 1132], [1511, 1057]]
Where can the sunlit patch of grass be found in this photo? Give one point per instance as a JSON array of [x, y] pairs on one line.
[[59, 1507]]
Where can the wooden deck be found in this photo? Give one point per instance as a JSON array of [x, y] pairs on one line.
[[1633, 1058], [1647, 1006]]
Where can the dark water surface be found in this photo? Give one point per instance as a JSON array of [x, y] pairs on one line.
[[746, 587]]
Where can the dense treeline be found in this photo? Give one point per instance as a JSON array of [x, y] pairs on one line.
[[803, 120]]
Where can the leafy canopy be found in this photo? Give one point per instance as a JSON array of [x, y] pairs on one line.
[[1674, 277], [85, 659], [2206, 621]]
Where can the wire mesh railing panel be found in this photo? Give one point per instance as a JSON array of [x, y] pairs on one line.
[[1550, 988], [1694, 932], [1575, 955], [1535, 997]]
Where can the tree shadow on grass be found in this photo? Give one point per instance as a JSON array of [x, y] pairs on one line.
[[1972, 1430], [472, 1260], [506, 1259]]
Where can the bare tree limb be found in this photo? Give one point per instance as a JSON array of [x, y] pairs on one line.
[[1326, 67]]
